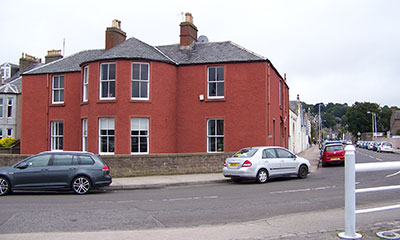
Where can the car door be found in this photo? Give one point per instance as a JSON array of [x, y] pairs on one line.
[[34, 174], [287, 160], [271, 161], [61, 169]]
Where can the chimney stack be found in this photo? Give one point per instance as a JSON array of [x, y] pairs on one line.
[[26, 61], [114, 34], [52, 55], [188, 34]]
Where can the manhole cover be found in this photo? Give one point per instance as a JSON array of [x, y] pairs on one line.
[[391, 234]]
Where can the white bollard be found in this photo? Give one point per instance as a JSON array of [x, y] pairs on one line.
[[350, 195]]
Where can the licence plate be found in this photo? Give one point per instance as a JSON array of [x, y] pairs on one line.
[[335, 158], [233, 164]]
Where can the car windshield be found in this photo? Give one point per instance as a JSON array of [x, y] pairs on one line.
[[246, 152], [334, 148], [387, 144]]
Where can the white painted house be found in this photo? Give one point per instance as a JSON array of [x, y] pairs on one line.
[[299, 127]]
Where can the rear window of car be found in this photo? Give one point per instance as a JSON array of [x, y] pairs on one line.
[[85, 160], [387, 144], [246, 152], [334, 148]]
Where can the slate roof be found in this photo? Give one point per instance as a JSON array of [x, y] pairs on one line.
[[67, 64], [293, 106], [200, 53], [210, 52], [132, 49]]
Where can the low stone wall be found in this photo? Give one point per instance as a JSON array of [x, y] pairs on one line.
[[165, 164], [153, 164]]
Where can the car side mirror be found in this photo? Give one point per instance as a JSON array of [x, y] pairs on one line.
[[23, 165]]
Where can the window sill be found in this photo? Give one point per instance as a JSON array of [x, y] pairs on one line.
[[106, 101], [84, 103], [136, 100], [215, 100], [57, 105]]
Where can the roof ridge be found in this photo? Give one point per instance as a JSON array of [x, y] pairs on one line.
[[165, 55], [247, 50], [59, 60]]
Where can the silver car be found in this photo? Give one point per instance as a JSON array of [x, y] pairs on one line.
[[262, 163]]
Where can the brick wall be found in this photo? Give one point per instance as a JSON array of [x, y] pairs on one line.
[[154, 164]]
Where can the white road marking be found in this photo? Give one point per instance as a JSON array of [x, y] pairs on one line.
[[303, 190], [189, 198]]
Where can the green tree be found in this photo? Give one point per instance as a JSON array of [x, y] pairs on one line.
[[358, 119]]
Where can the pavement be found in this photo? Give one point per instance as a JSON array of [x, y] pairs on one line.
[[163, 181], [324, 225]]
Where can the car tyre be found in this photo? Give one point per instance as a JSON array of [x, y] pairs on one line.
[[81, 185], [262, 176], [4, 186], [303, 171]]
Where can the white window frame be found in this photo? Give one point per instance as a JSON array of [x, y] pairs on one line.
[[84, 134], [141, 81], [109, 124], [141, 126], [215, 136], [57, 135], [10, 107], [58, 90], [85, 93], [1, 107], [215, 81], [10, 132], [109, 81]]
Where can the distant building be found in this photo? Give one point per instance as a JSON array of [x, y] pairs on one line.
[[134, 98], [7, 71], [299, 127], [10, 96]]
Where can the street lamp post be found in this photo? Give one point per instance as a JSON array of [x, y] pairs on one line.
[[373, 115]]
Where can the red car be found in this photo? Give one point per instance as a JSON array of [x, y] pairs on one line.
[[333, 153]]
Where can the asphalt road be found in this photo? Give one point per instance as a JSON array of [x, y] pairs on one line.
[[190, 206]]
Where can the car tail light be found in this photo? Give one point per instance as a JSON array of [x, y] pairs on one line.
[[105, 168], [224, 163], [247, 163]]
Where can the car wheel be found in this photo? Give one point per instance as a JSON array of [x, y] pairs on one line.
[[262, 176], [4, 186], [324, 164], [81, 185], [303, 171]]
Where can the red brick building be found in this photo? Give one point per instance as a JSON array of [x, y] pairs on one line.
[[133, 98]]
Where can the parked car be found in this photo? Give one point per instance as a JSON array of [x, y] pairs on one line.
[[262, 163], [333, 153], [375, 146], [385, 147], [370, 145], [77, 171]]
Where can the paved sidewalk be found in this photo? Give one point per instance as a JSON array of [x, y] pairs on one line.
[[321, 225], [163, 181]]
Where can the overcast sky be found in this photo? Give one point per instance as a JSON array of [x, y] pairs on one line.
[[339, 51]]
